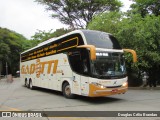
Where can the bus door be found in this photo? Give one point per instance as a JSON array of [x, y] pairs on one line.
[[75, 64], [79, 62], [85, 72]]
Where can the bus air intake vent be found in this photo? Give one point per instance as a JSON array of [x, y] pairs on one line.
[[113, 86]]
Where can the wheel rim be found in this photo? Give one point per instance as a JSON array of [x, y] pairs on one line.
[[67, 90]]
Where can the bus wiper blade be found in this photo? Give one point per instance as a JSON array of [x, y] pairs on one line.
[[104, 76]]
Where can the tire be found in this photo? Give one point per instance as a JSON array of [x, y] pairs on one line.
[[25, 83], [30, 85], [67, 91]]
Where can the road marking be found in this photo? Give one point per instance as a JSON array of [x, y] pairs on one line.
[[9, 108]]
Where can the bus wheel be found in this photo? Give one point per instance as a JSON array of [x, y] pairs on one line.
[[25, 84], [67, 91], [31, 85]]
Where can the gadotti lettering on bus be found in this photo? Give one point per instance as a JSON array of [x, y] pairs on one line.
[[38, 67]]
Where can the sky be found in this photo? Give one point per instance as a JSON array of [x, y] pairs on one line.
[[27, 17]]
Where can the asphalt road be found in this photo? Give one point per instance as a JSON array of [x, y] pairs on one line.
[[15, 97]]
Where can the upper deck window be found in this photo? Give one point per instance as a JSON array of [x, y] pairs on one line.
[[101, 39]]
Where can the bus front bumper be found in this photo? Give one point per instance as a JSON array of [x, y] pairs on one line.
[[96, 91]]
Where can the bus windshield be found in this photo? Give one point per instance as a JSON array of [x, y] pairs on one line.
[[108, 66], [101, 39]]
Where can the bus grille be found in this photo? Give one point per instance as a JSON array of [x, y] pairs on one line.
[[113, 86]]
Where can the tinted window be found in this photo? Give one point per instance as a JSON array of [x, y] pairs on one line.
[[58, 46], [109, 66], [79, 61], [101, 39]]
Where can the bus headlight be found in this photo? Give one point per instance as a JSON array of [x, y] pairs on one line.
[[99, 85], [125, 84]]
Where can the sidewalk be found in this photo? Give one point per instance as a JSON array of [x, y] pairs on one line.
[[7, 80], [6, 84]]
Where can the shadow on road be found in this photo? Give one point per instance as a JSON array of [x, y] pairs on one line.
[[48, 91], [98, 100], [91, 100]]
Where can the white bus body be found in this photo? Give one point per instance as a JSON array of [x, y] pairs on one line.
[[58, 66]]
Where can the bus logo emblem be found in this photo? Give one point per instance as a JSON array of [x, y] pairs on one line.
[[114, 82]]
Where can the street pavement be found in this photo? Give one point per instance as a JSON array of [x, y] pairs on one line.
[[15, 97]]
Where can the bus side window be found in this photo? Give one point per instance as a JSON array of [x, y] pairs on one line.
[[75, 60], [85, 66], [85, 61], [79, 62]]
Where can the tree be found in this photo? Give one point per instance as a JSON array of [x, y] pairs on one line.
[[4, 51], [78, 13], [11, 45], [107, 22], [41, 36], [138, 33], [145, 7], [142, 34], [60, 32]]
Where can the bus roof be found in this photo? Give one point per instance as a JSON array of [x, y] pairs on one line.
[[54, 39], [83, 33]]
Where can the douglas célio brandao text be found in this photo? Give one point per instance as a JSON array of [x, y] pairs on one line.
[[138, 114]]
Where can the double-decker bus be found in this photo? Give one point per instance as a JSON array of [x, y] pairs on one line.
[[82, 62]]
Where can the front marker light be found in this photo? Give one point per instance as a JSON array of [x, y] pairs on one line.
[[102, 86], [99, 85], [125, 84]]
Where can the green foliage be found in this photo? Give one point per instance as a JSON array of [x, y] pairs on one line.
[[106, 22], [4, 51], [145, 7], [78, 13], [11, 44], [134, 32], [60, 32], [142, 35], [41, 36]]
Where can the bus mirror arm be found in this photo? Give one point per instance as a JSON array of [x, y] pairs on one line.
[[92, 50], [133, 54]]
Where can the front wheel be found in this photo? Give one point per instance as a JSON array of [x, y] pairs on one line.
[[67, 91]]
